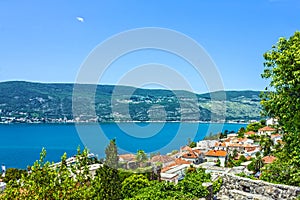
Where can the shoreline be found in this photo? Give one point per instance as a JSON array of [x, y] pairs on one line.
[[118, 122]]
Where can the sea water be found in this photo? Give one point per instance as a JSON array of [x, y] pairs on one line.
[[21, 144]]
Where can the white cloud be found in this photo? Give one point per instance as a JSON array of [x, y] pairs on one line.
[[80, 19]]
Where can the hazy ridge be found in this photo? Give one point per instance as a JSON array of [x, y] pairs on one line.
[[46, 101]]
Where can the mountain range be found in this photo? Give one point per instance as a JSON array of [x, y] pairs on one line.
[[22, 101]]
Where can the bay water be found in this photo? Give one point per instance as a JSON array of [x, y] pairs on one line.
[[21, 144]]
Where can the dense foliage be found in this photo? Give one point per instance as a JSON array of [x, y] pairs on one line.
[[282, 100], [49, 182], [65, 181], [189, 188]]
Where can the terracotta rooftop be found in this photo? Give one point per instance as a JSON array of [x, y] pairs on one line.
[[178, 161], [186, 148], [216, 153], [266, 128], [275, 135], [220, 144], [162, 159], [268, 159], [127, 157], [248, 145], [250, 133], [227, 140], [189, 155], [234, 145], [242, 139]]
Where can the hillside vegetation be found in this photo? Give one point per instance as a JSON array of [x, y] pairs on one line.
[[46, 101]]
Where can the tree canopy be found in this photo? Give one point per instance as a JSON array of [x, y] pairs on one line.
[[111, 152], [282, 101]]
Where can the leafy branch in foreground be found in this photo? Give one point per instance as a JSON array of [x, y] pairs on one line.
[[282, 100]]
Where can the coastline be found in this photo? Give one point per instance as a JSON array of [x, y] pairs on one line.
[[116, 122]]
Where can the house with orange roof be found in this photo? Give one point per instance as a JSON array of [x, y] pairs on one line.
[[175, 171], [126, 157], [235, 146], [214, 155], [268, 159], [250, 147], [251, 153], [163, 159], [177, 161], [193, 155], [249, 133], [266, 130], [220, 146], [128, 161]]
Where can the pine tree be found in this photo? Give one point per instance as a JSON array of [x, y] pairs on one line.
[[112, 155]]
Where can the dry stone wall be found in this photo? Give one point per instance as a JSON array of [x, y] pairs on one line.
[[238, 188]]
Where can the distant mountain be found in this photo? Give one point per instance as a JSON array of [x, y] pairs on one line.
[[50, 102]]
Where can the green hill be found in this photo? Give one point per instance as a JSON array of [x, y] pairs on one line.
[[25, 101]]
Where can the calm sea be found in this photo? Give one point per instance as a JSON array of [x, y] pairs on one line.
[[21, 144]]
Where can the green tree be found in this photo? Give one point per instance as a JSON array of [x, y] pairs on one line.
[[13, 174], [192, 183], [132, 184], [107, 184], [162, 190], [258, 164], [254, 126], [263, 122], [281, 100], [234, 154], [141, 156], [217, 185], [243, 158], [111, 153], [266, 143], [241, 132], [193, 144], [48, 181]]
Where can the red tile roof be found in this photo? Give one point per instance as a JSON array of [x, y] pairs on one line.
[[188, 152], [127, 157], [189, 155], [242, 139], [227, 140], [266, 128], [216, 153], [250, 133], [268, 159], [186, 148], [275, 135], [235, 145], [178, 161], [162, 159], [220, 144]]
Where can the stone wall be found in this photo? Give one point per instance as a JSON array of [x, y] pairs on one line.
[[235, 187]]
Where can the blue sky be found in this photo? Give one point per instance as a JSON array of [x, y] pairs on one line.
[[43, 41]]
